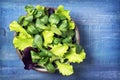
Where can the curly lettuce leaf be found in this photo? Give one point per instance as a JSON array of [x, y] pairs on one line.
[[59, 50], [39, 7], [14, 26], [62, 11], [23, 40], [65, 68], [71, 25], [72, 56], [22, 43], [48, 37]]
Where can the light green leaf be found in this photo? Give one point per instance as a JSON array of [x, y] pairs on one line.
[[22, 42], [48, 37], [14, 26], [24, 39], [72, 56], [38, 7], [71, 25], [61, 10], [65, 68], [59, 50]]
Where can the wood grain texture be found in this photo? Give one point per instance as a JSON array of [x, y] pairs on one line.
[[99, 27]]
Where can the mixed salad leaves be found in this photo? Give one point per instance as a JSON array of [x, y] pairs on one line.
[[46, 38]]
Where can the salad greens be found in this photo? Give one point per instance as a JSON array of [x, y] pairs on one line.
[[46, 38], [24, 39]]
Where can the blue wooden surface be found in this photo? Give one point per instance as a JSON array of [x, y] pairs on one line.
[[99, 26]]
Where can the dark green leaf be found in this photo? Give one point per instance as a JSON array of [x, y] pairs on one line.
[[35, 56], [78, 48], [62, 17], [40, 26], [70, 33], [45, 53], [29, 9], [44, 19], [25, 23], [57, 40], [38, 41], [55, 30], [50, 67], [40, 13], [20, 19], [29, 18], [31, 29], [63, 26], [67, 40], [43, 61], [35, 12], [54, 19]]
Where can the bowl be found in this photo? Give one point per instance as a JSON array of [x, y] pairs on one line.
[[40, 69]]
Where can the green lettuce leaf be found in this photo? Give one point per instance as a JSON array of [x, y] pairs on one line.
[[23, 40], [54, 19], [48, 37], [72, 56], [59, 50], [39, 7], [62, 11], [14, 26], [71, 25], [55, 30], [65, 68]]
